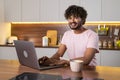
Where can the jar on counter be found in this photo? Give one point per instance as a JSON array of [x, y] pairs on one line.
[[100, 43], [115, 40], [45, 41], [105, 43], [110, 44]]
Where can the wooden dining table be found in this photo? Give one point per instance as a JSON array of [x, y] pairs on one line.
[[12, 68]]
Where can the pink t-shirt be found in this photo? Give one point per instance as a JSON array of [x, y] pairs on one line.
[[77, 43]]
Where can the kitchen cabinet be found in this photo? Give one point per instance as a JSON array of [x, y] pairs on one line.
[[10, 52], [54, 11], [45, 52], [104, 58], [93, 8], [30, 10], [12, 10], [4, 27], [1, 11], [102, 10], [36, 10], [98, 58], [49, 10], [110, 58], [110, 10], [21, 10], [63, 5]]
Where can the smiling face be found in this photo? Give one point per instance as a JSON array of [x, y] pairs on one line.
[[74, 23], [76, 16]]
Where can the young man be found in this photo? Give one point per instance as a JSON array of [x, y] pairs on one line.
[[79, 42]]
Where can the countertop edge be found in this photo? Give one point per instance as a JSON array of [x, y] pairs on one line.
[[56, 46], [37, 46]]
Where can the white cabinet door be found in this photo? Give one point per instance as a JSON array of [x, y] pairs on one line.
[[45, 52], [98, 58], [93, 8], [30, 10], [8, 53], [12, 10], [49, 10], [64, 4], [110, 10], [110, 58], [1, 11]]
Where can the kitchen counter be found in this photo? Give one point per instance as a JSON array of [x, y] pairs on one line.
[[39, 46], [11, 68]]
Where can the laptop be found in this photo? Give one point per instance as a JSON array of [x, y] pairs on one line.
[[27, 55]]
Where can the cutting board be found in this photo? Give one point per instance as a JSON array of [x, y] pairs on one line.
[[52, 35]]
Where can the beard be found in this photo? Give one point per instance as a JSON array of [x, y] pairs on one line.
[[75, 25]]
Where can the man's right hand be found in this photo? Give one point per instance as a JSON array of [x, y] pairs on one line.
[[47, 61], [44, 60]]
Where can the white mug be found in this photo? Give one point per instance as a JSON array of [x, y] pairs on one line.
[[76, 65]]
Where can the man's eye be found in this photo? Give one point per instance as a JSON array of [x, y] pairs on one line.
[[76, 17]]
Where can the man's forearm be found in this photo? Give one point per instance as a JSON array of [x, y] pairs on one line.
[[60, 52], [56, 56]]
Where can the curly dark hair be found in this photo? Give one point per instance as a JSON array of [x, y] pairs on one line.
[[76, 11]]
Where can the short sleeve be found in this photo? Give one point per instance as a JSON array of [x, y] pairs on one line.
[[93, 41], [64, 38]]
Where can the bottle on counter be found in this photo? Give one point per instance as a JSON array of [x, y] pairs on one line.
[[105, 44], [115, 40], [110, 44]]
